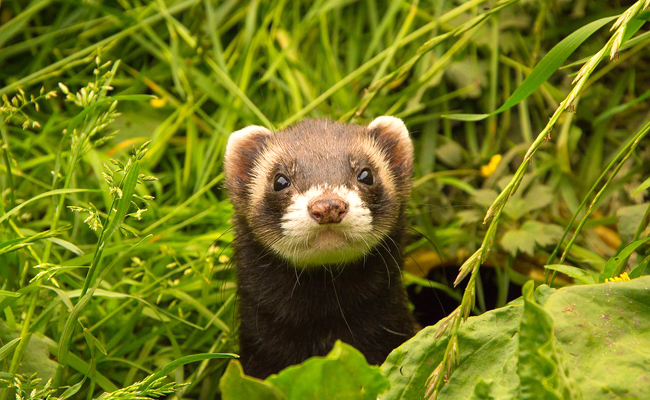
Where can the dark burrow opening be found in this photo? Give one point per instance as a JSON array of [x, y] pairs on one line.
[[431, 305]]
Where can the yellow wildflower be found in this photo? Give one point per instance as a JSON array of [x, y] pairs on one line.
[[623, 277], [158, 102], [489, 168]]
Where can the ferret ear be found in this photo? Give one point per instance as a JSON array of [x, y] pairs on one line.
[[242, 149], [392, 135]]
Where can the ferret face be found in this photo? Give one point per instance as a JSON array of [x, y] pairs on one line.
[[320, 192]]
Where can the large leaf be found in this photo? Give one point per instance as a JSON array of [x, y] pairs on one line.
[[589, 339], [518, 241], [36, 358], [538, 196], [541, 375], [490, 391], [545, 234], [234, 385], [342, 374], [530, 234], [487, 351], [604, 331]]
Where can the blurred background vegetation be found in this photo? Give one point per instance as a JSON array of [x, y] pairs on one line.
[[161, 282]]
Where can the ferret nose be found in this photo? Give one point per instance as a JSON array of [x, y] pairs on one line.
[[329, 210]]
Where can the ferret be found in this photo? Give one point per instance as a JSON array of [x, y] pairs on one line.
[[319, 216]]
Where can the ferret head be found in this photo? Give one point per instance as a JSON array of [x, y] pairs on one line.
[[320, 192]]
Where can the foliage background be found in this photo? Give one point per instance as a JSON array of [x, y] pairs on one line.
[[215, 67]]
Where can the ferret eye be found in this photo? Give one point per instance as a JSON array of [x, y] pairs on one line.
[[365, 176], [281, 182]]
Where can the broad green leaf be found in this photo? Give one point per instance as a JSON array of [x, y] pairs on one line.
[[234, 385], [491, 391], [604, 332], [518, 241], [544, 234], [515, 208], [488, 347], [613, 264], [538, 196], [36, 358], [578, 274], [543, 70], [540, 371], [342, 374], [589, 339]]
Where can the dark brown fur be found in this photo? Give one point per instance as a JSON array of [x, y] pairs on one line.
[[289, 314]]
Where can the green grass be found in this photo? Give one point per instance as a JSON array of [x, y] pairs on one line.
[[105, 308]]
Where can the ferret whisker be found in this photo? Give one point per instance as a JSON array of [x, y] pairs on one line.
[[387, 247], [340, 268], [336, 295], [297, 281], [427, 238], [365, 254], [384, 260]]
